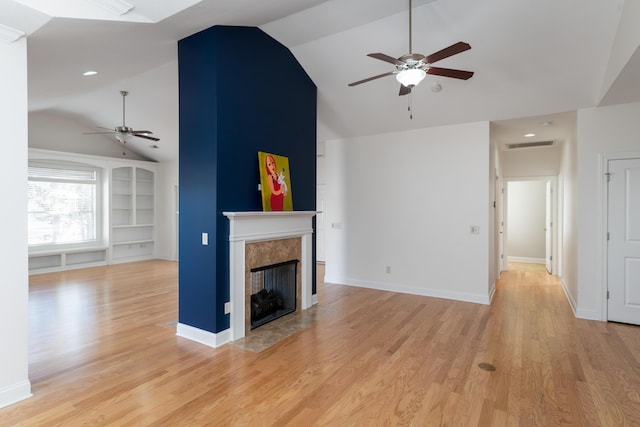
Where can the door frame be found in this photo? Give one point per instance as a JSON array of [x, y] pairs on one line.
[[604, 212], [554, 216], [500, 260], [549, 223]]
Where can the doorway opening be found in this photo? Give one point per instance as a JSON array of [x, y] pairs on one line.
[[529, 217]]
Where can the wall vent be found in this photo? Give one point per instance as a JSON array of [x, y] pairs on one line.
[[530, 144]]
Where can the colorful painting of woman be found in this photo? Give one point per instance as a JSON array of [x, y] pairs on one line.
[[276, 195], [276, 185]]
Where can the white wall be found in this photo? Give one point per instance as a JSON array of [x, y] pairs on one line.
[[14, 381], [601, 132], [526, 217], [166, 219], [527, 162], [321, 185], [407, 201], [625, 44], [568, 225], [59, 132]]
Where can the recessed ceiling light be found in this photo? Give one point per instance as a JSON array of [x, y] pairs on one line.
[[549, 123], [529, 135], [90, 73]]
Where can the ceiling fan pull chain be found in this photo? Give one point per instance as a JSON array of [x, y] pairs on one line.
[[410, 106]]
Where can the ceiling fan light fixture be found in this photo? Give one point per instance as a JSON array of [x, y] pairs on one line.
[[410, 77], [122, 137]]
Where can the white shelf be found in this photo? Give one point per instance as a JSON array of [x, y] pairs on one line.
[[132, 242], [132, 250], [132, 213], [66, 259]]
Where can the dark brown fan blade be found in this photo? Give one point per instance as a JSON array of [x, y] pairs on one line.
[[448, 72], [447, 52], [152, 138], [404, 90], [142, 131], [386, 58], [372, 78]]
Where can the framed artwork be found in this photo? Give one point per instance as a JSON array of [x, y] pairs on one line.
[[275, 182]]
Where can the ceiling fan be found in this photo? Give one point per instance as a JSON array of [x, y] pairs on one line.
[[413, 67], [123, 132]]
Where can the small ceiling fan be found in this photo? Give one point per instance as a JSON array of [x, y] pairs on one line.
[[123, 132], [413, 67]]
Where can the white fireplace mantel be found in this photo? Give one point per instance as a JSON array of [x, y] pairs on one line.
[[264, 226]]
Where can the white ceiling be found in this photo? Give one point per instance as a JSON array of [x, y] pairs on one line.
[[531, 60]]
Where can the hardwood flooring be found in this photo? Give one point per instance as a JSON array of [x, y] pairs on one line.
[[526, 266], [104, 352]]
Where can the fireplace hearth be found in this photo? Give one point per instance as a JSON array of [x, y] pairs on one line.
[[273, 292]]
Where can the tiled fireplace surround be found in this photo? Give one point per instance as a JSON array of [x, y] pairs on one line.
[[260, 254], [257, 239]]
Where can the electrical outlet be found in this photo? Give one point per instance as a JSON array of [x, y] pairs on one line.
[[205, 239], [475, 229]]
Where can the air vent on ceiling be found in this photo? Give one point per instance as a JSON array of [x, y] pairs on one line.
[[530, 144]]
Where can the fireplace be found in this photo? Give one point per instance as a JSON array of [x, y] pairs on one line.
[[259, 239], [273, 292]]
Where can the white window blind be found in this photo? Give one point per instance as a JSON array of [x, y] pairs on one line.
[[63, 204]]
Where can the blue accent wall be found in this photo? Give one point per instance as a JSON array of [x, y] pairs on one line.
[[240, 92]]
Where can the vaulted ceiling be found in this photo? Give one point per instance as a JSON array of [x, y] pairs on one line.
[[531, 60]]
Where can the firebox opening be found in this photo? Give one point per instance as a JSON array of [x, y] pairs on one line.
[[273, 292]]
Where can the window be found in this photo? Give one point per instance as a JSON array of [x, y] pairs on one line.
[[63, 203]]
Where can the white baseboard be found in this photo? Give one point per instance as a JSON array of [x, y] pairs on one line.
[[572, 303], [426, 292], [492, 291], [588, 314], [203, 337], [15, 393], [578, 312], [527, 260]]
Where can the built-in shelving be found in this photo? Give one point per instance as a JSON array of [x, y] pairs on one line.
[[66, 259], [132, 213], [127, 228]]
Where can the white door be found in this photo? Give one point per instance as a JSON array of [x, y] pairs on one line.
[[548, 227], [623, 279]]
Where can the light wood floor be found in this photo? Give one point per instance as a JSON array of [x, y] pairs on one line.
[[526, 266], [104, 352]]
